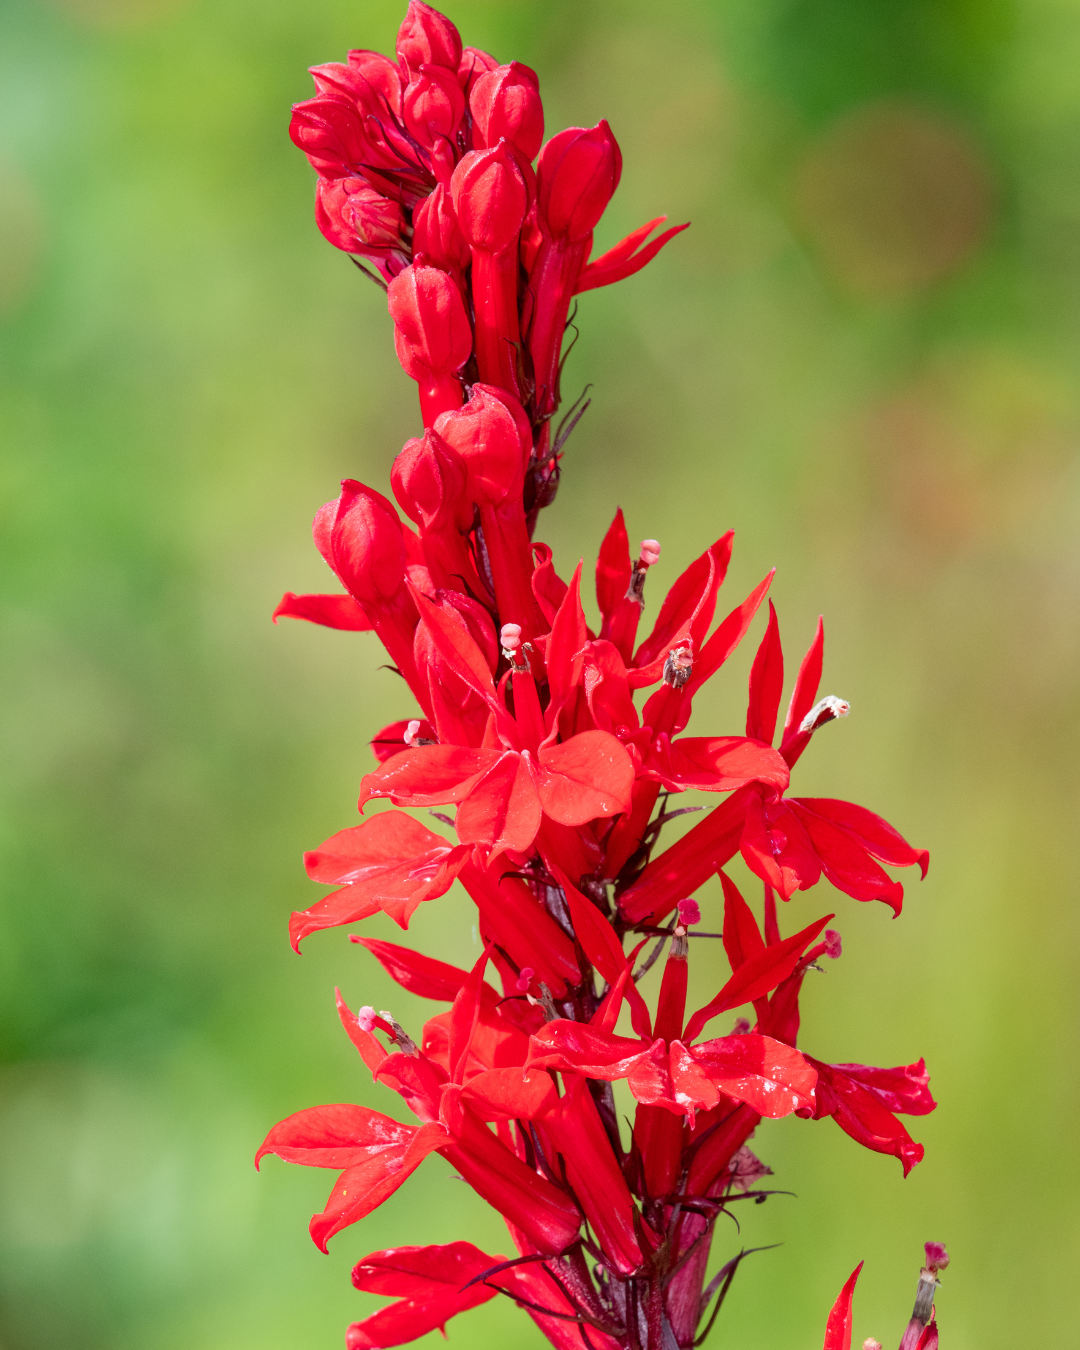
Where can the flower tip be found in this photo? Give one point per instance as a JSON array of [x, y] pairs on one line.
[[689, 912], [937, 1258], [827, 710]]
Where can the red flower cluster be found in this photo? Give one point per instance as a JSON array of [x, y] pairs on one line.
[[525, 722]]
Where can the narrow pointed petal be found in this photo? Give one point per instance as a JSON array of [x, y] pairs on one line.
[[622, 261], [766, 683], [861, 1114], [838, 1327], [757, 976], [428, 775], [332, 611], [905, 1089], [421, 975], [689, 606], [603, 948], [775, 845], [876, 835], [846, 861], [718, 764]]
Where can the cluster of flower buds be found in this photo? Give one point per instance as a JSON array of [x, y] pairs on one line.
[[523, 718], [433, 168]]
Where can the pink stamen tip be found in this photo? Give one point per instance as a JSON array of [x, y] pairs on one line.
[[650, 552], [367, 1017], [689, 912], [937, 1258], [525, 979], [741, 1027], [411, 731], [510, 637], [833, 946]]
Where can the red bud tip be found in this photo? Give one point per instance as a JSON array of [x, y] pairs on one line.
[[689, 912], [428, 38], [505, 104], [577, 173], [937, 1258], [491, 197]]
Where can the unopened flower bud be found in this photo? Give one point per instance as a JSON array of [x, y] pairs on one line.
[[506, 103], [679, 666], [473, 65], [437, 240], [429, 479], [486, 436], [428, 37], [827, 710], [360, 537], [491, 197], [433, 106], [432, 333], [577, 173], [356, 218]]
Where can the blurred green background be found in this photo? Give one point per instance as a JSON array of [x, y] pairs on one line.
[[863, 356]]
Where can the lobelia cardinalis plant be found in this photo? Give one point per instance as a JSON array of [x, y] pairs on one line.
[[433, 172]]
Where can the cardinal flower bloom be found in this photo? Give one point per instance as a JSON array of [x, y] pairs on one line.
[[559, 744]]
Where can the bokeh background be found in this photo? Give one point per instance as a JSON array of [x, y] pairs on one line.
[[863, 356]]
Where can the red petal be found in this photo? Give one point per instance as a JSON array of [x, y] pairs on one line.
[[603, 948], [804, 694], [421, 975], [609, 268], [429, 775], [606, 687], [581, 1048], [876, 835], [332, 611], [563, 655], [766, 683], [718, 764], [742, 937], [503, 1094], [846, 862], [757, 976], [860, 1114], [362, 1188], [334, 1136], [371, 1052], [769, 1076], [905, 1089], [502, 810], [589, 775], [385, 840], [650, 1078], [456, 645], [838, 1328], [728, 635], [613, 567], [463, 1019], [776, 847]]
